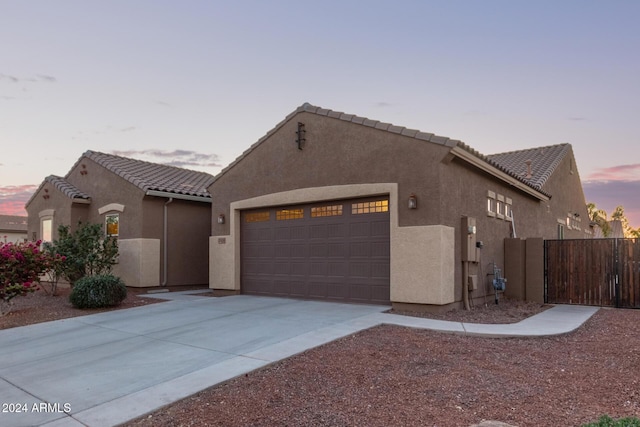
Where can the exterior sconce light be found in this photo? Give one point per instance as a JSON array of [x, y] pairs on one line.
[[221, 219], [413, 201]]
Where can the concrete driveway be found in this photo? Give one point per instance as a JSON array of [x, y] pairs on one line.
[[104, 369], [107, 368]]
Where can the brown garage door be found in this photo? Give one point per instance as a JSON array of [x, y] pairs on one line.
[[336, 251]]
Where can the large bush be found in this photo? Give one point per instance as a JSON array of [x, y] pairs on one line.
[[21, 265], [103, 290], [87, 251]]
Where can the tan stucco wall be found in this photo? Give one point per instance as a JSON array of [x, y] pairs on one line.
[[423, 265], [138, 262], [222, 273]]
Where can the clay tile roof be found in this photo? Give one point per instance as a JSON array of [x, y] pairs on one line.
[[544, 161], [152, 176], [13, 223], [66, 187]]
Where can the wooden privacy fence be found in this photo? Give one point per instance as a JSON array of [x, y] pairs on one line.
[[601, 272]]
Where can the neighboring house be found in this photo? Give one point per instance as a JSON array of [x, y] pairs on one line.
[[338, 207], [13, 228], [160, 214]]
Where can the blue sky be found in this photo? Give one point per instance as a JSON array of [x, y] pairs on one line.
[[196, 83]]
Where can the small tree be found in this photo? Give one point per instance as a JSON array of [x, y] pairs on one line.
[[87, 251], [21, 265], [56, 266]]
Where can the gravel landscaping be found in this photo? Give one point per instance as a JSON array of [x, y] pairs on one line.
[[395, 376], [41, 306]]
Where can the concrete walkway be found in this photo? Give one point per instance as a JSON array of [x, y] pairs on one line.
[[107, 368]]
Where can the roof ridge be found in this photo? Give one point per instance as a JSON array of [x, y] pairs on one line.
[[148, 175], [566, 144], [144, 161]]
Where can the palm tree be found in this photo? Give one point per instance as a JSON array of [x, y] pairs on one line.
[[599, 217]]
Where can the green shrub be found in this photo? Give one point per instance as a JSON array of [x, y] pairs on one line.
[[99, 291], [607, 421]]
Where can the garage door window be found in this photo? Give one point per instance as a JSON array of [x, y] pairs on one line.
[[284, 214], [370, 207], [257, 216], [333, 210]]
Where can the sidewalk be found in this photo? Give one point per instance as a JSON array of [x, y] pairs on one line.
[[560, 319], [557, 320]]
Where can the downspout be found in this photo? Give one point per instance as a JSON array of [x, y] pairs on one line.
[[165, 244]]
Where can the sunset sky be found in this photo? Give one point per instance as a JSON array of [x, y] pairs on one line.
[[195, 83]]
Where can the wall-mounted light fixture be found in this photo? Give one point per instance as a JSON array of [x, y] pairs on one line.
[[413, 201], [84, 170], [221, 219]]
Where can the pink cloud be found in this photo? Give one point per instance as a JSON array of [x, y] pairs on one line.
[[616, 173], [14, 197]]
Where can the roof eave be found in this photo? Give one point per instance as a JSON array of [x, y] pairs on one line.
[[167, 194], [81, 200], [492, 170]]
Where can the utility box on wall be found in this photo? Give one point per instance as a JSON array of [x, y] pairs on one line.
[[468, 236]]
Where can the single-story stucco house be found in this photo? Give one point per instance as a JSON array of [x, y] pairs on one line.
[[13, 228], [160, 214], [339, 207]]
